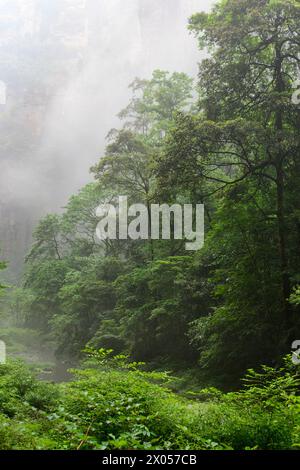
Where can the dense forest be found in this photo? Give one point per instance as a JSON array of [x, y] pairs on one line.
[[175, 349]]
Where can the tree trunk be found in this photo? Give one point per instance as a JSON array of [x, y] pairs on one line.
[[282, 244], [285, 282]]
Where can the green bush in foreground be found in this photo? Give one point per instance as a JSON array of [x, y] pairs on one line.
[[112, 405]]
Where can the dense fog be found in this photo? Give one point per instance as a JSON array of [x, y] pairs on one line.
[[65, 70]]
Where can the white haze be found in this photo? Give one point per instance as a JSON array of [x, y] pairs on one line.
[[129, 42], [67, 65]]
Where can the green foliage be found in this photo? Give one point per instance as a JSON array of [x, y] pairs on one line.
[[21, 392], [24, 403], [155, 305], [155, 101], [232, 307], [295, 296], [20, 340], [3, 266], [216, 314], [115, 405]]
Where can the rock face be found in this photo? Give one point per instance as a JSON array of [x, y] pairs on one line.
[[66, 66], [41, 44]]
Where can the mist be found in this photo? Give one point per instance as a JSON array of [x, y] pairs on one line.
[[66, 65]]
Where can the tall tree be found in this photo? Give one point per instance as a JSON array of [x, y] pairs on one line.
[[254, 46]]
